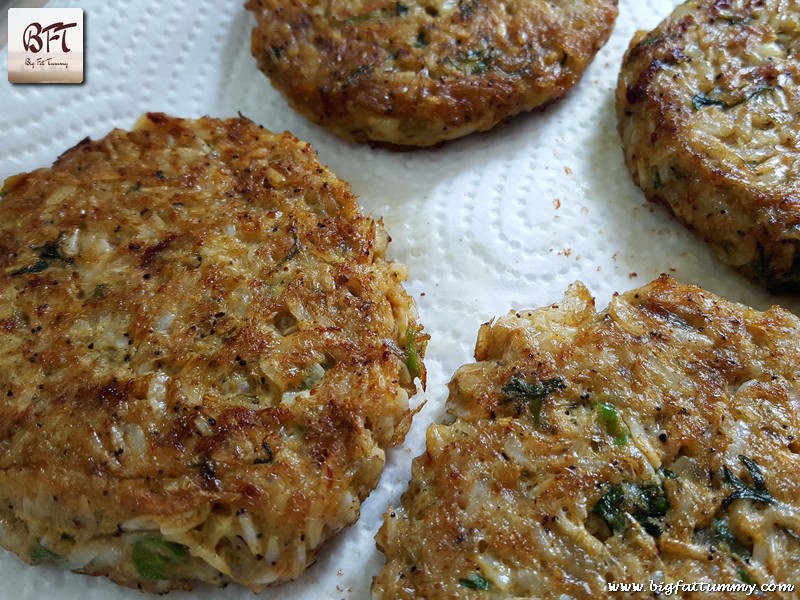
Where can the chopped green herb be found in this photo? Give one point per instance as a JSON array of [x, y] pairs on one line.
[[37, 267], [741, 491], [613, 425], [412, 353], [361, 70], [363, 18], [422, 39], [400, 9], [101, 290], [293, 251], [667, 474], [155, 558], [160, 175], [2, 193], [47, 253], [50, 251], [610, 508], [657, 180], [475, 62], [41, 553], [719, 535], [650, 41], [758, 91], [269, 458], [745, 576], [701, 100], [475, 581], [646, 503], [518, 388]]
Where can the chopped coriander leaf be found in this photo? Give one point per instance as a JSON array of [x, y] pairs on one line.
[[47, 253], [422, 40], [155, 558], [412, 353], [363, 18], [535, 404], [101, 290], [39, 266], [475, 62], [39, 552], [475, 581], [741, 491], [650, 41], [360, 70], [269, 455], [293, 251], [657, 180], [701, 100], [50, 251], [518, 388], [646, 503], [719, 535], [610, 508], [667, 474], [608, 413], [745, 576], [400, 9], [758, 91]]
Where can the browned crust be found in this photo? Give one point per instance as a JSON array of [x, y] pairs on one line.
[[406, 72], [505, 502], [164, 294], [707, 104]]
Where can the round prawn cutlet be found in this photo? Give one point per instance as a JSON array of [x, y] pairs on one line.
[[653, 441], [708, 106], [419, 72], [203, 355]]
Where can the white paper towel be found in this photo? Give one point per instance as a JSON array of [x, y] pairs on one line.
[[494, 221]]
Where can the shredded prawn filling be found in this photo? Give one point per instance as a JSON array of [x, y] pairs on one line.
[[205, 354], [651, 441]]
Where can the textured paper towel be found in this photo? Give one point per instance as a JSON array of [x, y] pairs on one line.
[[488, 223]]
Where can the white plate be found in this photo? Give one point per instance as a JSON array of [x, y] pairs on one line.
[[488, 223]]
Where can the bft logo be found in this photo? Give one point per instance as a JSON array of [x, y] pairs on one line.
[[32, 36], [45, 45]]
